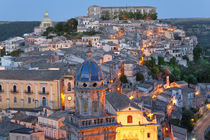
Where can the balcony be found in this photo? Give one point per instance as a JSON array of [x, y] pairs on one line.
[[98, 121], [14, 92], [28, 92], [43, 93]]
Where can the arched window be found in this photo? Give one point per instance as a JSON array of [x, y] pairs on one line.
[[29, 100], [29, 89], [0, 88], [129, 119], [69, 86], [43, 90], [14, 88], [15, 99]]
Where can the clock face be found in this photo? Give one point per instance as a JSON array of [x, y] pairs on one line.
[[69, 98]]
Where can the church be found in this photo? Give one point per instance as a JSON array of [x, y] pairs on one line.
[[46, 22], [100, 115], [90, 121]]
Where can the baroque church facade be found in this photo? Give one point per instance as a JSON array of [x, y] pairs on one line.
[[90, 121]]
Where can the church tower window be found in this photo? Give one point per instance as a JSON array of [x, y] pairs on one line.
[[95, 106], [69, 86]]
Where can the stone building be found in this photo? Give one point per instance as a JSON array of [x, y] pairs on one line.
[[90, 120], [35, 88], [136, 122], [26, 134], [98, 12], [52, 124]]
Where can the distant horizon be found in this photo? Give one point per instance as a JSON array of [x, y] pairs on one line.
[[75, 17], [63, 10]]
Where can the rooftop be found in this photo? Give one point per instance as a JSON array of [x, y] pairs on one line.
[[31, 74]]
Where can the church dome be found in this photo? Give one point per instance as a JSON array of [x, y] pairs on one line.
[[46, 18], [89, 71]]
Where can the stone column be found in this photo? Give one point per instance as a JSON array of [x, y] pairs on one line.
[[36, 96], [7, 95], [21, 92], [89, 104], [51, 97]]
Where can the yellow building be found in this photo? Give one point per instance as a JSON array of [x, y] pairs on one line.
[[32, 89], [135, 123]]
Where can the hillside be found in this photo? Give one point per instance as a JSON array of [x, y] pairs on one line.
[[199, 27], [11, 29]]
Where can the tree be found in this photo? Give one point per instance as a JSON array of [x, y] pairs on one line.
[[153, 16], [185, 57], [197, 51], [187, 115], [161, 60], [71, 25], [59, 27], [139, 77], [123, 79], [106, 16], [173, 61], [16, 53], [192, 79]]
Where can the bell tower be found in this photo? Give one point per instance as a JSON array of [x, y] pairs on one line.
[[90, 89]]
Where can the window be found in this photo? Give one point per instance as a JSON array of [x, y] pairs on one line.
[[129, 119], [0, 99], [29, 89], [95, 106], [15, 99], [43, 90], [44, 101], [69, 86], [0, 87], [148, 135], [29, 100], [14, 88]]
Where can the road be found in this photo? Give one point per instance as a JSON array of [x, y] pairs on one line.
[[201, 125]]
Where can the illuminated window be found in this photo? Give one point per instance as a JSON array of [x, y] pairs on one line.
[[129, 119], [69, 86], [95, 106], [148, 135], [15, 99], [85, 107]]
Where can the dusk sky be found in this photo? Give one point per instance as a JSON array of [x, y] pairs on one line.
[[61, 10]]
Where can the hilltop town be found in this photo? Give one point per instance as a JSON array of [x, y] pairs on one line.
[[117, 73]]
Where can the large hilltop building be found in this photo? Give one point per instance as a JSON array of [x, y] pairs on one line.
[[98, 12]]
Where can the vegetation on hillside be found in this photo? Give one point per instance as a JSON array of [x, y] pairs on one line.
[[67, 29], [12, 29], [197, 70]]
